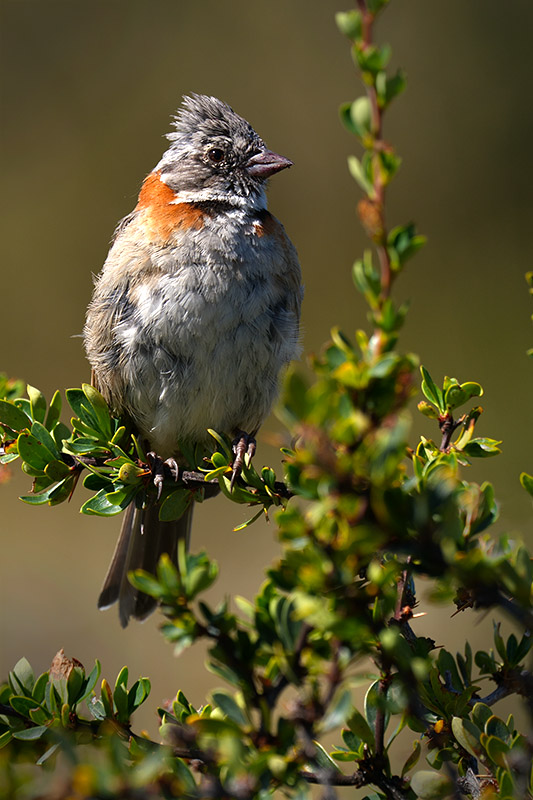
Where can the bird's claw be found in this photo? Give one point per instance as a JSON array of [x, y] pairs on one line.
[[243, 445], [172, 465], [160, 469]]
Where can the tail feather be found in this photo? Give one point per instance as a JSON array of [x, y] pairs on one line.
[[143, 539]]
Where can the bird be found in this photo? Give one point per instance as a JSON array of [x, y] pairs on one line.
[[193, 316]]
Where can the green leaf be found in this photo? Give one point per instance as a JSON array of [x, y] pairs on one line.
[[46, 755], [106, 697], [495, 726], [78, 403], [54, 411], [389, 87], [145, 583], [122, 677], [288, 628], [175, 505], [100, 505], [84, 445], [120, 699], [360, 727], [5, 738], [456, 395], [495, 749], [185, 778], [431, 391], [60, 433], [99, 408], [467, 734], [86, 431], [57, 470], [13, 417], [323, 759], [138, 694], [37, 403], [62, 491], [374, 6], [96, 482], [224, 672], [8, 458], [23, 704], [39, 715], [482, 448], [40, 686], [526, 642], [22, 678], [371, 58], [269, 477], [498, 641], [30, 734], [200, 578], [390, 164], [90, 682], [349, 23], [122, 495], [527, 482], [402, 244], [360, 113], [168, 574], [34, 452], [50, 697], [227, 703], [472, 389], [340, 754], [431, 785], [367, 279], [428, 410], [412, 759], [338, 712], [75, 682], [358, 173], [222, 443], [43, 436], [374, 702], [249, 522]]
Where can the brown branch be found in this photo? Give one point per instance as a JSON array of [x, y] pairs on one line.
[[367, 20], [358, 779], [399, 613], [448, 426], [379, 235], [189, 478], [333, 778]]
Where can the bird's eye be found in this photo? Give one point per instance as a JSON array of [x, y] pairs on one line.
[[216, 155]]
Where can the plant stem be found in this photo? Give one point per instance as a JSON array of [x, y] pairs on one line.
[[378, 144]]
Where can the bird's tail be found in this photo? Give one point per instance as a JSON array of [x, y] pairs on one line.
[[143, 539]]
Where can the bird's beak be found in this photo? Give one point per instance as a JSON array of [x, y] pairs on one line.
[[266, 163]]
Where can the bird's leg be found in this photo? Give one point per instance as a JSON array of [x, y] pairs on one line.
[[160, 468], [243, 445]]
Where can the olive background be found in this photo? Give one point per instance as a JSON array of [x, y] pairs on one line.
[[87, 90]]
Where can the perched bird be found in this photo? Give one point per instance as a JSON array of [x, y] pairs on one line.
[[194, 314]]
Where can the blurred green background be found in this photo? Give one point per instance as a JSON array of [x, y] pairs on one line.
[[87, 91]]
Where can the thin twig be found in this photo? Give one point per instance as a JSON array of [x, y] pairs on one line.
[[333, 778], [378, 145]]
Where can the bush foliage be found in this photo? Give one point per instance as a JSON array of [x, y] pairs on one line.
[[361, 513]]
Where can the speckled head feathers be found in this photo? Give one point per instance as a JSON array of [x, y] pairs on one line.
[[210, 117], [215, 154]]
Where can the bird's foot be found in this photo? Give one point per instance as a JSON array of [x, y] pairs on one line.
[[243, 445], [161, 469]]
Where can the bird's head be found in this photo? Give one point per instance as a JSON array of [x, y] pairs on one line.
[[216, 155]]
